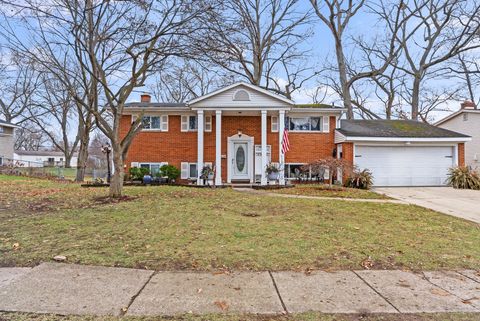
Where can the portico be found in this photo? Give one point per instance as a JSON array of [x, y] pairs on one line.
[[242, 152], [242, 145]]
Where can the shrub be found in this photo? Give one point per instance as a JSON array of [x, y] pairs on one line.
[[331, 165], [360, 179], [463, 177], [170, 171], [137, 173]]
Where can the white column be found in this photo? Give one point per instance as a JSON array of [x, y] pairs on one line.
[[263, 181], [281, 156], [218, 147], [200, 120]]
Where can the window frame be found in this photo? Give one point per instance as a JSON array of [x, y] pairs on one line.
[[150, 123], [320, 124], [159, 164], [190, 170]]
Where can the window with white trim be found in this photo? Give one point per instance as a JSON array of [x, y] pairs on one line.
[[155, 122], [305, 124], [274, 120], [154, 168], [2, 129], [192, 123]]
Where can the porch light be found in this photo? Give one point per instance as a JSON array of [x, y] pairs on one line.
[[239, 133]]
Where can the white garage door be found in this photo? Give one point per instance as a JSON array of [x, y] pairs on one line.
[[406, 165]]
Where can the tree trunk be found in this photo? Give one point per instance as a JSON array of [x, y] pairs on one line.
[[342, 72], [82, 158], [415, 97], [68, 159], [116, 182]]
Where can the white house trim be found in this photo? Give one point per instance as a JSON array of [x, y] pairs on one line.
[[238, 84], [241, 138], [218, 147], [340, 138], [263, 180], [455, 114], [200, 121]]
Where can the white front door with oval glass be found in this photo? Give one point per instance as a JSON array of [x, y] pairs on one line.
[[240, 164]]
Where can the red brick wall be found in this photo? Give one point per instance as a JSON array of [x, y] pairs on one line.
[[175, 146], [347, 151], [308, 147], [461, 154]]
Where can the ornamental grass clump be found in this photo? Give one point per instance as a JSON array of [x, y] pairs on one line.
[[360, 179], [463, 177]]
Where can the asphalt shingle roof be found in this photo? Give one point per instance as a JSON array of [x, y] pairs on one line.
[[168, 105], [394, 128]]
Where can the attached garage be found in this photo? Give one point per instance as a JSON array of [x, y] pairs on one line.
[[406, 165], [399, 152]]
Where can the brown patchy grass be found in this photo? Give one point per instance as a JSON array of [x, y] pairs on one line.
[[324, 190], [173, 227]]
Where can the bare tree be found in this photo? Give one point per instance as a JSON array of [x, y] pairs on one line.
[[55, 111], [29, 137], [466, 70], [118, 45], [440, 31], [258, 40], [185, 79], [18, 83], [336, 15]]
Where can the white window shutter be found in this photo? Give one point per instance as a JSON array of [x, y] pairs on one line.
[[184, 173], [326, 174], [164, 123], [208, 123], [134, 118], [184, 123], [134, 164], [274, 120], [326, 124]]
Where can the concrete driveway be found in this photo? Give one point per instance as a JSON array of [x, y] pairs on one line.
[[447, 200]]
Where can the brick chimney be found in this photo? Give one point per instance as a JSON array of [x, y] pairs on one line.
[[467, 104], [145, 98]]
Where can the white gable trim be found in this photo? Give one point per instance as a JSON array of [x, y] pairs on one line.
[[455, 114], [238, 84]]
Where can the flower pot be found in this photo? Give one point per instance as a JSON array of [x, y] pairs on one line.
[[272, 176]]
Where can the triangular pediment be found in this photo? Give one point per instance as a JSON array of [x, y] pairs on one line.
[[241, 95]]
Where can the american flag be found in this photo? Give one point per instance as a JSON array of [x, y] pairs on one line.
[[285, 141]]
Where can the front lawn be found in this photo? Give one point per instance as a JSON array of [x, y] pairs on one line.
[[323, 190], [203, 229]]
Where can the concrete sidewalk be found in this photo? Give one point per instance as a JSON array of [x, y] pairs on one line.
[[76, 289]]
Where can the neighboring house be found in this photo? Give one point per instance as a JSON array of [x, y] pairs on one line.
[[6, 141], [42, 158], [238, 130], [467, 121]]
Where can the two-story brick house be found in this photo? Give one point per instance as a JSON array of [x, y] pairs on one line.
[[238, 130]]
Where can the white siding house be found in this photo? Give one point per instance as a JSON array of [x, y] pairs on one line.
[[43, 158], [466, 121]]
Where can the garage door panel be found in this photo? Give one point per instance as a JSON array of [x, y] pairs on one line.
[[406, 165]]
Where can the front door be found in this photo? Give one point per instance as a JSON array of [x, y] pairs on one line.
[[240, 159]]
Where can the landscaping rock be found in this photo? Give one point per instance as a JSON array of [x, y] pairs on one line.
[[60, 258]]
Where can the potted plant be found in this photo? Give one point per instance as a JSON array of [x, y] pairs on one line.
[[272, 172], [207, 173]]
